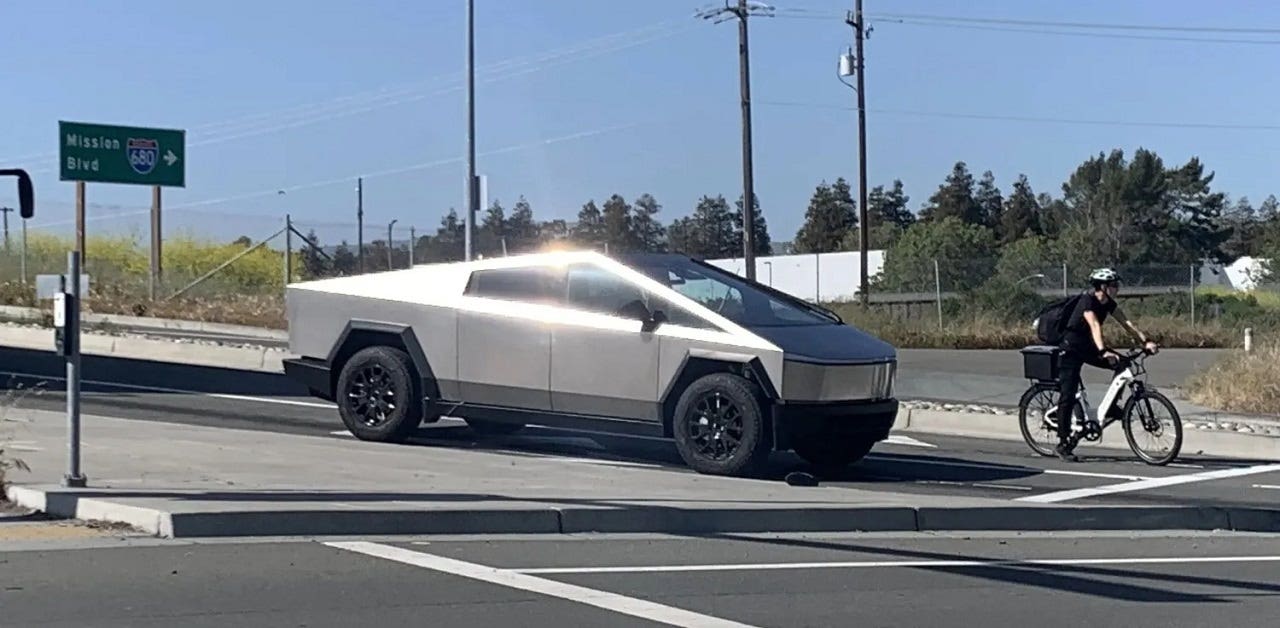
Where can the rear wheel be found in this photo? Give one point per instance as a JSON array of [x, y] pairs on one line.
[[376, 395], [720, 427], [829, 453], [1150, 418], [1041, 432]]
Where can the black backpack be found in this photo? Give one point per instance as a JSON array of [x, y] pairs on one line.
[[1051, 321]]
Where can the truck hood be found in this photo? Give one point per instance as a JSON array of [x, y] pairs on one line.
[[827, 344]]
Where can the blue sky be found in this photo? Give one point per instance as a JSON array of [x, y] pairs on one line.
[[306, 96]]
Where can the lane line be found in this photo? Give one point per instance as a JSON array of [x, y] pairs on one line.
[[898, 439], [1111, 489], [902, 564], [178, 391], [1271, 487], [634, 607], [1006, 487], [994, 467]]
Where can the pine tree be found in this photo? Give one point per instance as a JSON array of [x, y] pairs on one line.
[[650, 233], [619, 233], [521, 229], [1021, 213], [760, 234], [344, 261], [830, 217], [955, 199], [589, 231], [314, 264], [989, 201]]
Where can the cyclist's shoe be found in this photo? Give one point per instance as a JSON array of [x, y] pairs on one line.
[[1064, 452]]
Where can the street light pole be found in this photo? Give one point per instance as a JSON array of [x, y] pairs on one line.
[[390, 247], [471, 129]]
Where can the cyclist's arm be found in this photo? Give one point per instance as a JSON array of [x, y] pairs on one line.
[[1129, 326], [1095, 330]]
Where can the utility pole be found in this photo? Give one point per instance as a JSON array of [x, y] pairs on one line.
[[471, 129], [390, 247], [742, 10], [6, 211], [360, 223], [857, 67]]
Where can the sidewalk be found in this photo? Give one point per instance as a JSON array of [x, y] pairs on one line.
[[183, 481]]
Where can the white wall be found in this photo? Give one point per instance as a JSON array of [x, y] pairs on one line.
[[817, 277]]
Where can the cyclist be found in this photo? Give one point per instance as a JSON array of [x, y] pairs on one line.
[[1083, 344]]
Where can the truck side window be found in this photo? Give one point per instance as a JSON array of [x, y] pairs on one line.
[[595, 289], [534, 284]]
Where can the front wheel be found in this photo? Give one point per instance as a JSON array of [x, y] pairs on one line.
[[720, 426], [1151, 417]]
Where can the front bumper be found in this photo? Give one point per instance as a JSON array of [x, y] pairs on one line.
[[312, 373], [841, 420]]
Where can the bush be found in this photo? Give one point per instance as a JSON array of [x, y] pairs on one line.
[[1240, 382]]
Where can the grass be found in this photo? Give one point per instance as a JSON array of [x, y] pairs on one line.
[[1241, 382], [12, 398]]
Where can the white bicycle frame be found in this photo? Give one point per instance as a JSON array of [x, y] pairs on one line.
[[1118, 383]]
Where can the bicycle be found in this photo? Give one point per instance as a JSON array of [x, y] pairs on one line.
[[1040, 364]]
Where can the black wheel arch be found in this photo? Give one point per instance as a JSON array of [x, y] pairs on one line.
[[360, 334], [693, 368]]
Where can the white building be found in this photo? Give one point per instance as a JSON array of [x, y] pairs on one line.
[[812, 276]]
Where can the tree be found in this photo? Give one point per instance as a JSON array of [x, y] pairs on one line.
[[1242, 220], [965, 256], [761, 243], [589, 232], [1021, 215], [523, 233], [493, 229], [619, 233], [449, 243], [314, 264], [830, 216], [1034, 255], [650, 233], [708, 233], [1197, 213], [989, 201], [955, 199], [344, 261]]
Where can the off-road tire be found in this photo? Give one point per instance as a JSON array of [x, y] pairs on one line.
[[750, 427], [386, 370]]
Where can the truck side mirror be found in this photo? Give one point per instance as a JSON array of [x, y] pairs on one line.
[[26, 193]]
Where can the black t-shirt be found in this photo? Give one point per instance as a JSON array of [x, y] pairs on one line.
[[1077, 335]]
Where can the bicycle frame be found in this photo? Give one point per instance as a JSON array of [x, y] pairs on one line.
[[1127, 377]]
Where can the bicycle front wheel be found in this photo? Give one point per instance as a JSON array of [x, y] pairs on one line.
[[1151, 418]]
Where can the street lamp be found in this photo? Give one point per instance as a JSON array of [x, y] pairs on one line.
[[389, 246], [1035, 276]]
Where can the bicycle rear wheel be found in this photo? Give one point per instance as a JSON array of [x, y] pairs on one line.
[[1041, 434], [1151, 416]]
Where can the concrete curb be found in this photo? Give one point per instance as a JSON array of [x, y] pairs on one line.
[[1005, 427], [241, 358], [36, 315], [642, 519]]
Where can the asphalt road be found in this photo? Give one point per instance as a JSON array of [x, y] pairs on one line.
[[920, 463], [1049, 581]]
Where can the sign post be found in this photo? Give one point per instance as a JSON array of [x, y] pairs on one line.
[[106, 154]]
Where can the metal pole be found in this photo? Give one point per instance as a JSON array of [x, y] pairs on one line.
[[80, 222], [23, 262], [937, 283], [74, 478], [156, 241], [390, 246], [413, 243], [6, 211], [360, 223], [471, 129], [1064, 279], [748, 186], [288, 249], [863, 227]]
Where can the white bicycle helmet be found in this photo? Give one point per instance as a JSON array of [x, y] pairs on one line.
[[1104, 275]]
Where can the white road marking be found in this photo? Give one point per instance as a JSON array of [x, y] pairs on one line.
[[1271, 487], [1184, 465], [902, 564], [159, 389], [1062, 496], [994, 467], [1007, 487], [614, 602], [898, 439]]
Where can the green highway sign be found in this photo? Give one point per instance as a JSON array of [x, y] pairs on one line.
[[122, 154]]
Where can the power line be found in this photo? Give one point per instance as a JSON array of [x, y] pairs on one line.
[[1128, 36], [1013, 118], [1085, 25]]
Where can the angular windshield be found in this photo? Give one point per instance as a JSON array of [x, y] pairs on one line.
[[731, 296]]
